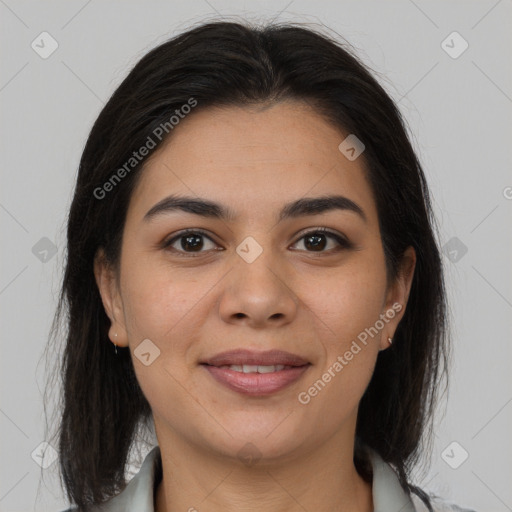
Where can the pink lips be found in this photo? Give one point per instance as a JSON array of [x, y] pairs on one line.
[[256, 384], [268, 358]]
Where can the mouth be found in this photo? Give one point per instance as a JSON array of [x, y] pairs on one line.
[[242, 357], [256, 373], [251, 368]]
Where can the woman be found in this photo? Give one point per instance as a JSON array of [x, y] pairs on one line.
[[252, 270]]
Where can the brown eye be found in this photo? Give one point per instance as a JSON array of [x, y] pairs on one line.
[[189, 241], [192, 242], [317, 241]]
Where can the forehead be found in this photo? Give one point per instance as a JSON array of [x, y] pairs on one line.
[[253, 159]]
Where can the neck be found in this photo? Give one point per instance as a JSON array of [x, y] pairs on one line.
[[323, 480]]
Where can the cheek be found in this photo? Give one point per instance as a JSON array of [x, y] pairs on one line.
[[345, 316], [347, 305], [349, 300], [158, 299], [163, 306]]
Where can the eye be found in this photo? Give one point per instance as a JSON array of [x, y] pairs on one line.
[[316, 240], [189, 241]]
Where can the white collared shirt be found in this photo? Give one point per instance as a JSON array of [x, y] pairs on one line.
[[388, 494]]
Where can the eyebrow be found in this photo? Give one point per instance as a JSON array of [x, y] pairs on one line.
[[211, 209]]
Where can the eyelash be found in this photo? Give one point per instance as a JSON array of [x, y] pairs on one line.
[[343, 242]]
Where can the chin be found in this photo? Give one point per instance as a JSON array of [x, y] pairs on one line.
[[260, 437]]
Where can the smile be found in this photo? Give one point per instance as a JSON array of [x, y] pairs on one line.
[[251, 368], [256, 380]]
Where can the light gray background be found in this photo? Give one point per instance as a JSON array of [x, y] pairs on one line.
[[459, 112]]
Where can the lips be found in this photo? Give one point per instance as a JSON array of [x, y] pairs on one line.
[[256, 373], [247, 357]]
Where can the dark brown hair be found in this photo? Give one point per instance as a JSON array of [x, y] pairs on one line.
[[220, 63]]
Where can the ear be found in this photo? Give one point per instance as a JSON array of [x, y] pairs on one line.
[[398, 295], [108, 286]]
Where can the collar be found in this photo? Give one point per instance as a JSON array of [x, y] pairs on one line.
[[139, 494]]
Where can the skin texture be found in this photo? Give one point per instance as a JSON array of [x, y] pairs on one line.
[[292, 297]]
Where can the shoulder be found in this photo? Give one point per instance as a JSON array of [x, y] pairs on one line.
[[138, 494], [438, 505]]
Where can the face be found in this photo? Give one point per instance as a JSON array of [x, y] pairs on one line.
[[263, 278]]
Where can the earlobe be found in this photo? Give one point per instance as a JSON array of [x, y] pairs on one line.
[[390, 342], [110, 296]]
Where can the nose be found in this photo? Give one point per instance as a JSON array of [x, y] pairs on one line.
[[258, 294]]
